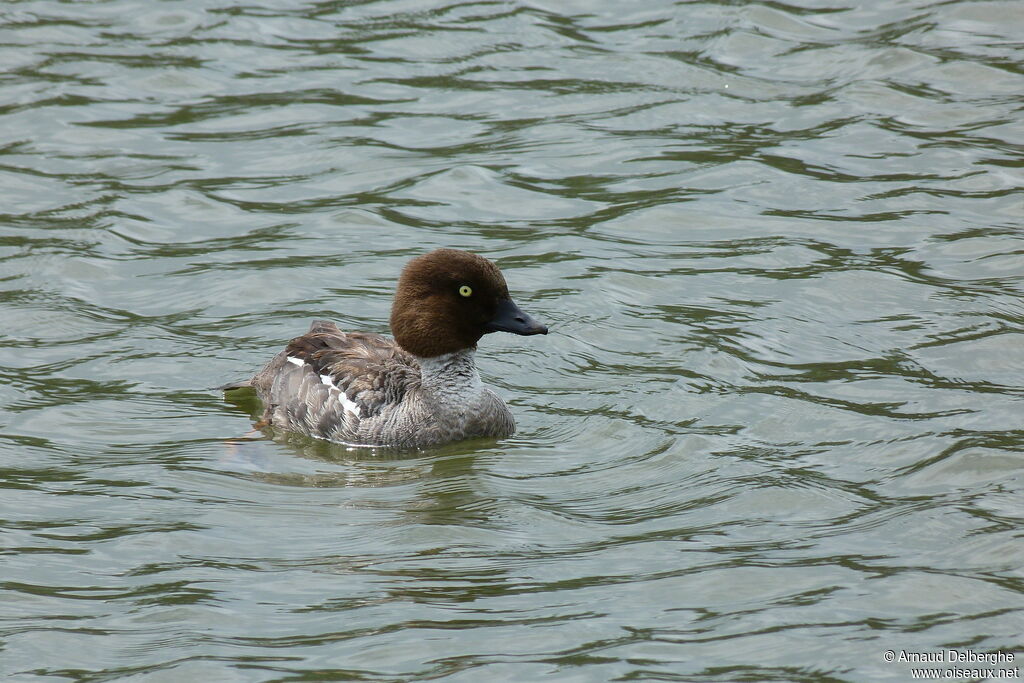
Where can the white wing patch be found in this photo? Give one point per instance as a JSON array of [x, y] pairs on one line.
[[348, 404]]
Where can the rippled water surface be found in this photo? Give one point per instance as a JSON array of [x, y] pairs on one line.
[[776, 429]]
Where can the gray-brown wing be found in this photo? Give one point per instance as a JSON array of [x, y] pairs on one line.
[[371, 371]]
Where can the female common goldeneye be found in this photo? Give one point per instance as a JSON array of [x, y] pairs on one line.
[[421, 389]]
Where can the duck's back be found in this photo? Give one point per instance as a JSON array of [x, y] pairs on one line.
[[351, 387]]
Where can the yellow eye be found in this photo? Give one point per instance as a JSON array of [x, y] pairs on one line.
[[466, 290]]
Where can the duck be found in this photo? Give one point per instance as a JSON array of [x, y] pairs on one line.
[[420, 388]]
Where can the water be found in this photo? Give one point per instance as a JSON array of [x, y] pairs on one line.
[[776, 429]]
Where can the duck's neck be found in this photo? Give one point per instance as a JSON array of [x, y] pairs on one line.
[[452, 377]]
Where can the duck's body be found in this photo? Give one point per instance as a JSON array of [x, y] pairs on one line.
[[422, 388], [364, 389]]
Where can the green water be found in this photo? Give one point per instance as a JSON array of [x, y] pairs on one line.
[[776, 429]]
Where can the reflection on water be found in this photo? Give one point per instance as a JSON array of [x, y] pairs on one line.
[[776, 429]]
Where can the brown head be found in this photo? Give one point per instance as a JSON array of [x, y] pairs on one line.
[[448, 299]]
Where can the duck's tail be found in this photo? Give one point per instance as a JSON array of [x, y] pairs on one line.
[[244, 384]]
